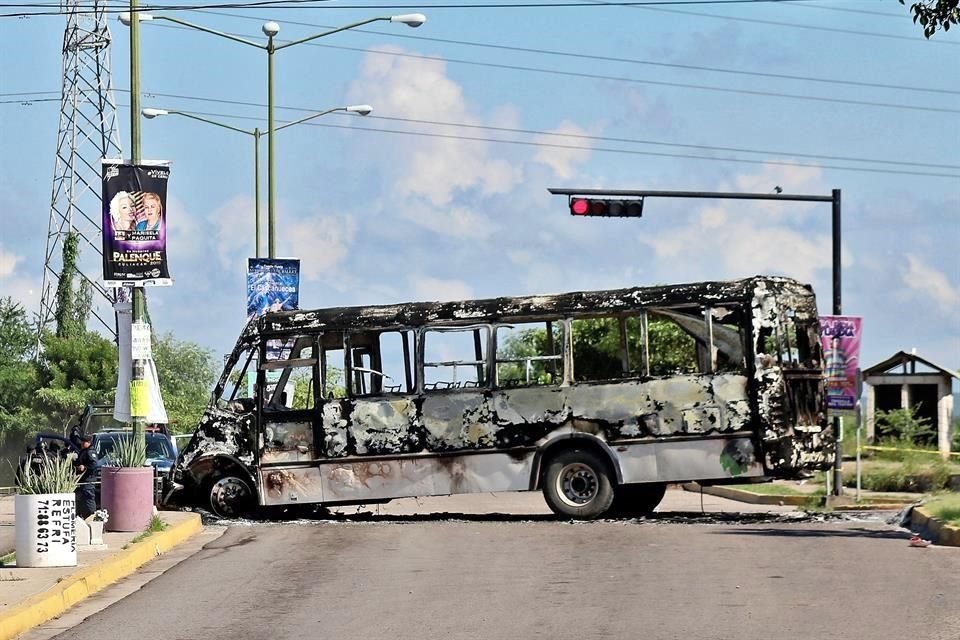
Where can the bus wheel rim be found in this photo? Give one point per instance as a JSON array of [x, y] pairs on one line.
[[229, 494], [577, 484]]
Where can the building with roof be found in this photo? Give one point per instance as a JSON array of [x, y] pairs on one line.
[[906, 380]]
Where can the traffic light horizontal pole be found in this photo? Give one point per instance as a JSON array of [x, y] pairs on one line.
[[719, 195]]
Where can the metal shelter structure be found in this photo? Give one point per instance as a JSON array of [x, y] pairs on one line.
[[87, 133]]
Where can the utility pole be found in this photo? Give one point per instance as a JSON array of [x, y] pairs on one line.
[[138, 390]]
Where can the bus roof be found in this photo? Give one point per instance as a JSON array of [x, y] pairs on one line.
[[465, 312]]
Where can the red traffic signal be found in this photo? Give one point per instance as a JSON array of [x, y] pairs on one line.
[[606, 208]]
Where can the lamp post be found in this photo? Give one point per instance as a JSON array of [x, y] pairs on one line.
[[256, 134], [271, 29]]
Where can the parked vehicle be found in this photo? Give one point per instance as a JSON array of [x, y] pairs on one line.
[[98, 421], [596, 398]]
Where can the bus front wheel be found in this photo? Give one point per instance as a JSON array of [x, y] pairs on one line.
[[577, 484], [230, 496]]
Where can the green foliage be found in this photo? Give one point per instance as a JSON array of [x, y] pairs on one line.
[[56, 475], [74, 372], [72, 302], [187, 373], [955, 443], [156, 525], [335, 386], [528, 344], [597, 348], [129, 452], [930, 474], [945, 507], [934, 14], [904, 427], [18, 375]]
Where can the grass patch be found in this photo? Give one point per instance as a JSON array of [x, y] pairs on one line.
[[945, 506], [156, 524], [8, 560], [910, 475], [772, 489]]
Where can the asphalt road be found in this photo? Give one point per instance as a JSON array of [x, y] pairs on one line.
[[680, 575]]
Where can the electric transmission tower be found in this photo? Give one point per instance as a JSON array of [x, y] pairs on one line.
[[88, 132]]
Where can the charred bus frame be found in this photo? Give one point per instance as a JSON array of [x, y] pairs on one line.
[[717, 382]]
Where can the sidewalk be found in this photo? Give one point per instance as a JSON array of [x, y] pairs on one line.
[[31, 596]]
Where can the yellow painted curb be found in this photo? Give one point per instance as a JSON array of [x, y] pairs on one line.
[[943, 533], [74, 588]]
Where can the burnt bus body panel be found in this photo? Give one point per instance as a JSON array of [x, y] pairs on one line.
[[766, 420]]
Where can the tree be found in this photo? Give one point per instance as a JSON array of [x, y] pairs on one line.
[[18, 379], [935, 14], [72, 302], [186, 371], [74, 372], [597, 349]]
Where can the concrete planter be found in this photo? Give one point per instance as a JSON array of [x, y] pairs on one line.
[[127, 495], [45, 530]]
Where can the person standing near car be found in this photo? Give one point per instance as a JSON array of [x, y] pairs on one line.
[[86, 466]]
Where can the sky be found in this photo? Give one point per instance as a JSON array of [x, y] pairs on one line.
[[441, 193]]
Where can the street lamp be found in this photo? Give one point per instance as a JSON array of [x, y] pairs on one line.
[[270, 30], [359, 109]]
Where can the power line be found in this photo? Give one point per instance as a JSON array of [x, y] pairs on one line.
[[537, 132], [586, 56], [528, 143], [794, 25], [594, 76], [308, 4]]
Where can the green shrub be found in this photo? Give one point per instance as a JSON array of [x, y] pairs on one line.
[[911, 475], [905, 427], [56, 475]]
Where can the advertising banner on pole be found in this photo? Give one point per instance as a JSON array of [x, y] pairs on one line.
[[273, 284], [134, 220], [840, 339]]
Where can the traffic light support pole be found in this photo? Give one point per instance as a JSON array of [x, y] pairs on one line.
[[833, 198]]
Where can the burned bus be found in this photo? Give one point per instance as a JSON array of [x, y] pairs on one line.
[[598, 399]]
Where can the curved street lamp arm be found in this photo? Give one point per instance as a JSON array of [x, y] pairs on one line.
[[310, 117], [213, 122], [332, 31], [211, 31]]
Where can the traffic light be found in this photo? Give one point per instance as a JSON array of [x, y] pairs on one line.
[[606, 207]]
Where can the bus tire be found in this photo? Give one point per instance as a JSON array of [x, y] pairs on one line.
[[638, 499], [577, 484], [229, 496]]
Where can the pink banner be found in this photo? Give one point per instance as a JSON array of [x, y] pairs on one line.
[[840, 338]]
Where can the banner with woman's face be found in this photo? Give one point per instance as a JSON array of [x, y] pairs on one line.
[[135, 224]]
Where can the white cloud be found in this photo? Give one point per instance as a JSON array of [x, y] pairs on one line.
[[8, 262], [563, 161], [437, 169], [233, 225], [427, 288], [927, 281], [451, 221], [26, 291], [321, 242]]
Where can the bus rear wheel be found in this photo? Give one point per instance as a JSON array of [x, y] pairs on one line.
[[230, 496], [577, 484], [638, 499]]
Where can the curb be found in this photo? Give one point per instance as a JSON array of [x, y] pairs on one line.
[[941, 532], [740, 495], [746, 496], [72, 589]]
